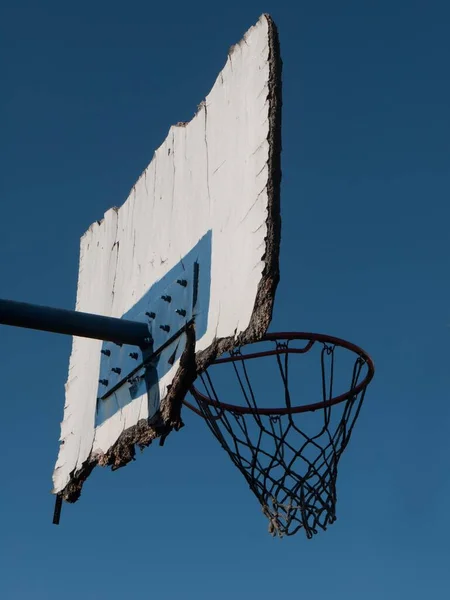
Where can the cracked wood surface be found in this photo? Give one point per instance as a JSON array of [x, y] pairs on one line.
[[219, 172]]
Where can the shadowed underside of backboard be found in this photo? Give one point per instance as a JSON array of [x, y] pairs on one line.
[[193, 253]]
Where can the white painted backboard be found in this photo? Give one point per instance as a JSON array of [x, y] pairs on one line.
[[218, 175]]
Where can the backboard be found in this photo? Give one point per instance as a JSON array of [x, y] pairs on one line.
[[193, 253]]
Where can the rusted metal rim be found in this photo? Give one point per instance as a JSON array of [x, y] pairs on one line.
[[310, 339]]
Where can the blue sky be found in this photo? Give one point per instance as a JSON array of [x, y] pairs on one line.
[[88, 92]]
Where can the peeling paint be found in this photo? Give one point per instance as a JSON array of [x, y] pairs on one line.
[[221, 171]]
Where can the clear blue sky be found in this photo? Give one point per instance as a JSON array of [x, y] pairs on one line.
[[88, 91]]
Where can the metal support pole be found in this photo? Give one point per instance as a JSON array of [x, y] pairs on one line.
[[72, 322]]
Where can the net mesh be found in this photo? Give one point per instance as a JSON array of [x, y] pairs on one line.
[[288, 455]]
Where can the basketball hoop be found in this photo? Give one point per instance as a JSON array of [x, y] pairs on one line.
[[288, 454]]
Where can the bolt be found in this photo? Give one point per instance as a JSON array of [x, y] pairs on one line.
[[166, 298], [106, 352], [117, 370], [165, 327], [134, 355], [181, 312], [182, 282], [150, 315], [104, 382]]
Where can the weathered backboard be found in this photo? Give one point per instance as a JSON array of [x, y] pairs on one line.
[[193, 252]]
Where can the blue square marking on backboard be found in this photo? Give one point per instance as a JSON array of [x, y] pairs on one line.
[[180, 296]]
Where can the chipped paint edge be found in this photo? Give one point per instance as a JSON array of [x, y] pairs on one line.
[[169, 417]]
